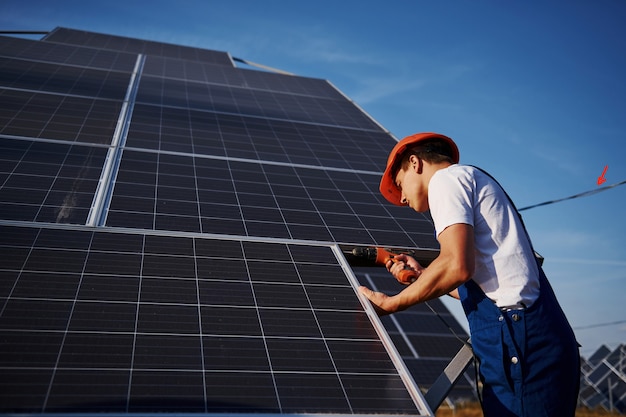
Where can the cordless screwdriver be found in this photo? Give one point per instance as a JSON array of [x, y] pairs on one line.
[[381, 256]]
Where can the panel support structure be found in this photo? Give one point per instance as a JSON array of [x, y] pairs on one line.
[[102, 197], [448, 378]]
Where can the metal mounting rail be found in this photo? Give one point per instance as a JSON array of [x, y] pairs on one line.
[[449, 377], [104, 191]]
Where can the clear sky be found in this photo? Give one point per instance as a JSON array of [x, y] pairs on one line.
[[533, 91]]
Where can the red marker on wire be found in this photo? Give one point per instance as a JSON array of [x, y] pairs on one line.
[[601, 179]]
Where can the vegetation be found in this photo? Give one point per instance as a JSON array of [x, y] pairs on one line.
[[473, 410]]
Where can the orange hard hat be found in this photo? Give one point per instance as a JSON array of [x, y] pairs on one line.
[[388, 186]]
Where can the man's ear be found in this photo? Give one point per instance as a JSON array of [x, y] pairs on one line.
[[416, 163]]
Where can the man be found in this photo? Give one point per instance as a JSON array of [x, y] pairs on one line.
[[528, 356]]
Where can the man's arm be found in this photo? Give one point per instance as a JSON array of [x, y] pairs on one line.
[[453, 267]]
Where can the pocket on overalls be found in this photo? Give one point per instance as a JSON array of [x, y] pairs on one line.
[[487, 344]]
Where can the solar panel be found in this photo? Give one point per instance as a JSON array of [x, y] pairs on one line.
[[195, 194], [136, 46], [75, 81], [602, 383], [207, 72], [200, 132], [212, 279], [27, 114], [266, 104], [165, 319], [65, 54], [47, 181]]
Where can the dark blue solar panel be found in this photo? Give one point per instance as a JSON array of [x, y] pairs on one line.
[[133, 318], [212, 281]]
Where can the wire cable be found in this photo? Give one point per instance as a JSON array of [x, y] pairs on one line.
[[593, 326], [586, 193]]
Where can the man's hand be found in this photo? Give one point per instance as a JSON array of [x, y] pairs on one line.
[[453, 267], [399, 263], [380, 301]]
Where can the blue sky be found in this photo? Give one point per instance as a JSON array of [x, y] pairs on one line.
[[532, 91]]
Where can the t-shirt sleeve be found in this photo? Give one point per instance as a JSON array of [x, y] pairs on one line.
[[450, 199]]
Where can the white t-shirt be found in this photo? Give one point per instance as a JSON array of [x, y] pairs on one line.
[[505, 267]]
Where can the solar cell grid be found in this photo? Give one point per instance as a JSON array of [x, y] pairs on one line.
[[48, 182], [54, 78], [296, 85], [65, 54], [169, 325], [119, 43], [230, 99], [424, 322], [178, 192], [438, 344], [206, 133], [37, 115], [423, 340]]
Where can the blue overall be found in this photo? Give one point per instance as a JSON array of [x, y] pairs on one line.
[[528, 359]]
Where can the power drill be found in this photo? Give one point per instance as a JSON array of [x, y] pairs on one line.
[[381, 256]]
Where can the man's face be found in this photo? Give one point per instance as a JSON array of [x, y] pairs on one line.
[[410, 184]]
